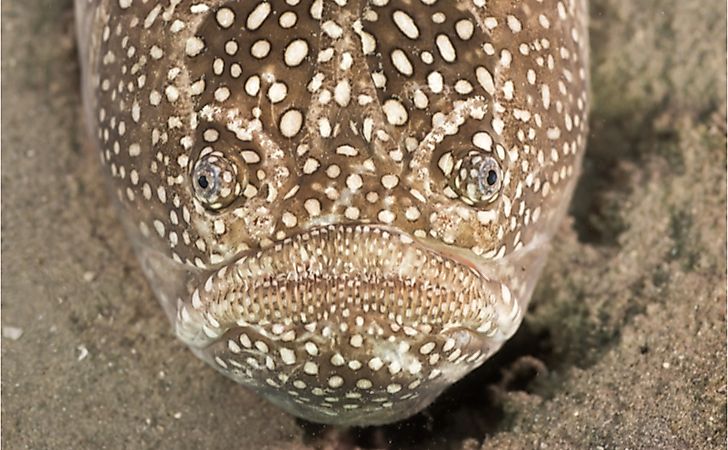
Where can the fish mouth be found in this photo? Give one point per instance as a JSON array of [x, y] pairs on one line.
[[349, 325], [337, 274]]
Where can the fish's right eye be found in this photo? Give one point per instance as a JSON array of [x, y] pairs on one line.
[[217, 181]]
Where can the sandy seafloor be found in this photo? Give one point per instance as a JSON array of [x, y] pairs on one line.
[[624, 347]]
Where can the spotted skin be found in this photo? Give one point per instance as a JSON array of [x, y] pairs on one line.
[[343, 205]]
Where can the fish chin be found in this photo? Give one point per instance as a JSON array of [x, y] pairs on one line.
[[352, 325]]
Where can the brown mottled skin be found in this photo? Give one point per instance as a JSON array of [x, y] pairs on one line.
[[343, 205]]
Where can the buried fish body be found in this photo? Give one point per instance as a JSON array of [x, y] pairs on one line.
[[343, 205]]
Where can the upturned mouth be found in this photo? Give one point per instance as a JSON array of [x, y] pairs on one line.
[[355, 275], [349, 324]]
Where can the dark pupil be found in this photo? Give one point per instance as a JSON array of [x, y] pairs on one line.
[[492, 177], [202, 181]]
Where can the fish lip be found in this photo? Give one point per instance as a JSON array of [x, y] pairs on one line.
[[204, 318]]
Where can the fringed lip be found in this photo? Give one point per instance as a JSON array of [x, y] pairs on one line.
[[349, 274]]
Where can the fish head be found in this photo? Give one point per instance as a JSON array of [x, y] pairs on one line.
[[342, 205]]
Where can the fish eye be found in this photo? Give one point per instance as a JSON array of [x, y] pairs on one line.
[[216, 181], [478, 178]]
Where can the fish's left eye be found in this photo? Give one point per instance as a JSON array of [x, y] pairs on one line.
[[216, 181], [478, 178]]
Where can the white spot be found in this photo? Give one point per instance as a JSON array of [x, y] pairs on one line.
[[464, 29], [445, 47], [395, 112], [260, 49], [356, 341], [513, 23], [402, 63], [375, 363], [291, 123], [277, 92], [406, 24], [336, 381], [194, 46], [435, 82], [312, 206], [225, 17], [295, 52], [485, 79], [258, 16], [310, 368], [288, 356], [483, 141]]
